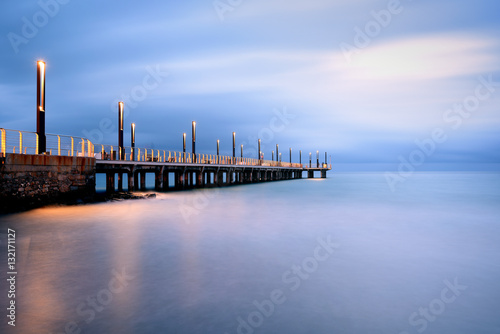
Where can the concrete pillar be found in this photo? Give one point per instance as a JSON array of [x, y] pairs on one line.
[[200, 181], [310, 174], [159, 180], [110, 182], [136, 180], [120, 181], [131, 179], [143, 180], [323, 174]]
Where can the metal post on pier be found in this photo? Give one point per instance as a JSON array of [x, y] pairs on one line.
[[184, 147], [217, 151], [277, 154], [234, 145], [120, 131], [300, 157], [260, 154], [272, 156], [280, 157], [193, 131], [290, 155], [326, 160], [242, 151], [40, 107], [310, 161], [317, 159], [132, 140]]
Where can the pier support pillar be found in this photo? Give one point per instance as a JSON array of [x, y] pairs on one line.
[[120, 181], [159, 180], [110, 182], [310, 174], [323, 174], [143, 180], [131, 179]]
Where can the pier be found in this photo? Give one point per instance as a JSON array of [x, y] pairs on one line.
[[40, 166]]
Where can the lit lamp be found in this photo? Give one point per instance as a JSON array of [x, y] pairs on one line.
[[317, 159], [218, 151], [40, 107], [132, 140], [120, 131], [310, 160], [242, 150]]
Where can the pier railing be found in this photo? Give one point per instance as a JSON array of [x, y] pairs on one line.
[[25, 142], [113, 152]]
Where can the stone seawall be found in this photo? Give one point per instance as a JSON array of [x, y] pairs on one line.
[[28, 181]]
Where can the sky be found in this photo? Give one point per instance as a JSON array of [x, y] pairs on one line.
[[372, 83]]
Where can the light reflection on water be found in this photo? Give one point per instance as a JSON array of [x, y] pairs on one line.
[[194, 262]]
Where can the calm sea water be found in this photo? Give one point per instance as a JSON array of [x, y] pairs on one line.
[[341, 255]]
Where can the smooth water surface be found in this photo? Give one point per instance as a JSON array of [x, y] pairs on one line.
[[341, 255]]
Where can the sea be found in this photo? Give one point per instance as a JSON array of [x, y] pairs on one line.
[[347, 255]]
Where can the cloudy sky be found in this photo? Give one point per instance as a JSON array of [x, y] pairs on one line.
[[368, 81]]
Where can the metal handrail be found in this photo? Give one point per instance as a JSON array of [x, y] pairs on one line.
[[26, 142], [112, 152]]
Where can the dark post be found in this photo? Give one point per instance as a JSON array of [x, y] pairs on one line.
[[290, 155], [325, 158], [242, 150], [310, 160], [184, 147], [234, 144], [272, 156], [217, 151], [40, 107], [317, 159], [280, 157], [120, 131], [260, 154], [300, 157], [277, 154], [193, 131], [132, 140]]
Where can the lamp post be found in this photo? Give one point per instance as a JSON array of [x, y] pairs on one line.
[[217, 151], [277, 154], [290, 155], [272, 156], [121, 151], [280, 157], [317, 159], [193, 131], [234, 145], [132, 140], [184, 147], [300, 157], [310, 161], [242, 151], [40, 107], [325, 158], [260, 154]]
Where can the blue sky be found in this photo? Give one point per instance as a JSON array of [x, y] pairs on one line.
[[363, 80]]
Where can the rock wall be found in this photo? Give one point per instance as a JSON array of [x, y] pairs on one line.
[[28, 181]]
